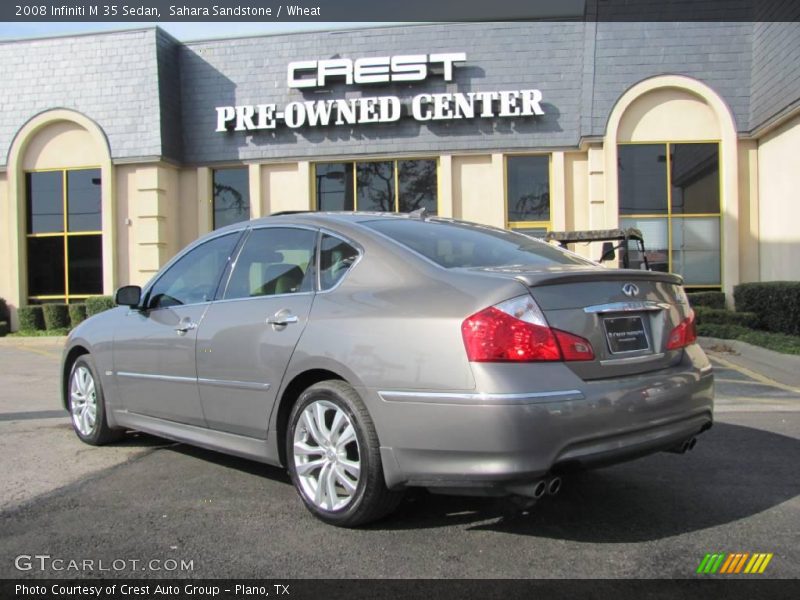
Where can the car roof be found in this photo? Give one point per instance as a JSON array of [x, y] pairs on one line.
[[319, 218]]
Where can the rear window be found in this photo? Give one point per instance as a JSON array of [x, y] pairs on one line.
[[454, 245]]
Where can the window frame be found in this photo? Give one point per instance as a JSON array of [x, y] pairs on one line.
[[224, 273], [318, 261], [519, 225], [227, 274], [396, 177], [65, 234], [669, 216]]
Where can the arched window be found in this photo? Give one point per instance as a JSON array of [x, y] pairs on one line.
[[668, 142], [60, 183]]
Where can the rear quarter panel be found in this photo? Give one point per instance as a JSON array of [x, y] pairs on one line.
[[395, 324]]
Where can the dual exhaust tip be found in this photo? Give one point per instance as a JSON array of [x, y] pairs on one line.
[[684, 447], [552, 485], [539, 488]]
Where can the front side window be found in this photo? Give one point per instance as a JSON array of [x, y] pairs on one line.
[[194, 277], [231, 196], [672, 193], [528, 194], [383, 186], [64, 235], [274, 260]]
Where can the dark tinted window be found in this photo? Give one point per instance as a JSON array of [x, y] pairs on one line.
[[462, 245], [45, 202], [65, 251], [274, 260], [46, 266], [375, 186], [85, 264], [694, 178], [194, 278], [642, 179], [334, 186], [231, 196], [335, 259], [418, 185], [83, 200], [528, 179]]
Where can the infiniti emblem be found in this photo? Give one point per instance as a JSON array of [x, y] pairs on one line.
[[630, 289]]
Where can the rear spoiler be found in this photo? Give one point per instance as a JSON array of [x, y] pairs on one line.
[[538, 279]]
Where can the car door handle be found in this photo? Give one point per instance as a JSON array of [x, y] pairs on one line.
[[282, 318], [185, 326]]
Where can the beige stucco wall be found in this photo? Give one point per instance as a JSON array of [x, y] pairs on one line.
[[154, 203], [749, 268], [779, 203], [668, 114], [284, 186], [7, 270], [478, 189], [126, 231], [576, 208], [62, 145], [188, 207]]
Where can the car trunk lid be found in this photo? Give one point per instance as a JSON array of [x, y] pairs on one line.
[[627, 315]]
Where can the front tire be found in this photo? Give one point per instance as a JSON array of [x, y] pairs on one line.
[[87, 404], [333, 456]]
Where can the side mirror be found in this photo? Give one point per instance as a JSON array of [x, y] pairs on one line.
[[128, 295], [608, 252]]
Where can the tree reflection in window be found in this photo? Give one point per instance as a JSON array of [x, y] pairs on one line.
[[231, 196], [384, 186], [528, 180], [417, 185], [375, 186]]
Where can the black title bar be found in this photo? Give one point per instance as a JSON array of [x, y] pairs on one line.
[[135, 11], [358, 589]]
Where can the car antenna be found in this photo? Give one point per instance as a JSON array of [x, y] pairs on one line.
[[420, 213]]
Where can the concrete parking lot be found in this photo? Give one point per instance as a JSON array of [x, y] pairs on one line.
[[150, 499]]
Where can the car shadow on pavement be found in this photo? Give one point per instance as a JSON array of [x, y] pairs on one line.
[[734, 472], [136, 439], [228, 461]]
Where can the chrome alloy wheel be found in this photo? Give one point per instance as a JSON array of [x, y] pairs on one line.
[[83, 400], [326, 455]]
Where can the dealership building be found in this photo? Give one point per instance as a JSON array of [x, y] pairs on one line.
[[120, 148]]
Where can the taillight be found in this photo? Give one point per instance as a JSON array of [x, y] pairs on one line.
[[574, 347], [684, 334], [516, 330]]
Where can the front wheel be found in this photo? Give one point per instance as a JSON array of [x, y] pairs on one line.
[[87, 404], [334, 459]]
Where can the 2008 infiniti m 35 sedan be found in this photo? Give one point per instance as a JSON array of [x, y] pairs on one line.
[[368, 353]]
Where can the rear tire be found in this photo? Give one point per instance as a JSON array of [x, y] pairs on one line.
[[333, 457], [87, 406]]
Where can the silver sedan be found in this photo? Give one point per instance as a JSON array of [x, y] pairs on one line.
[[370, 353]]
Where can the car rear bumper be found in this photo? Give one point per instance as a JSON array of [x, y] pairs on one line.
[[485, 442]]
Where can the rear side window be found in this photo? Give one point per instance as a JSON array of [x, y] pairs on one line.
[[274, 260], [335, 259], [454, 245]]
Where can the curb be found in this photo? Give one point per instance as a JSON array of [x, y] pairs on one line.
[[783, 368], [46, 341]]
